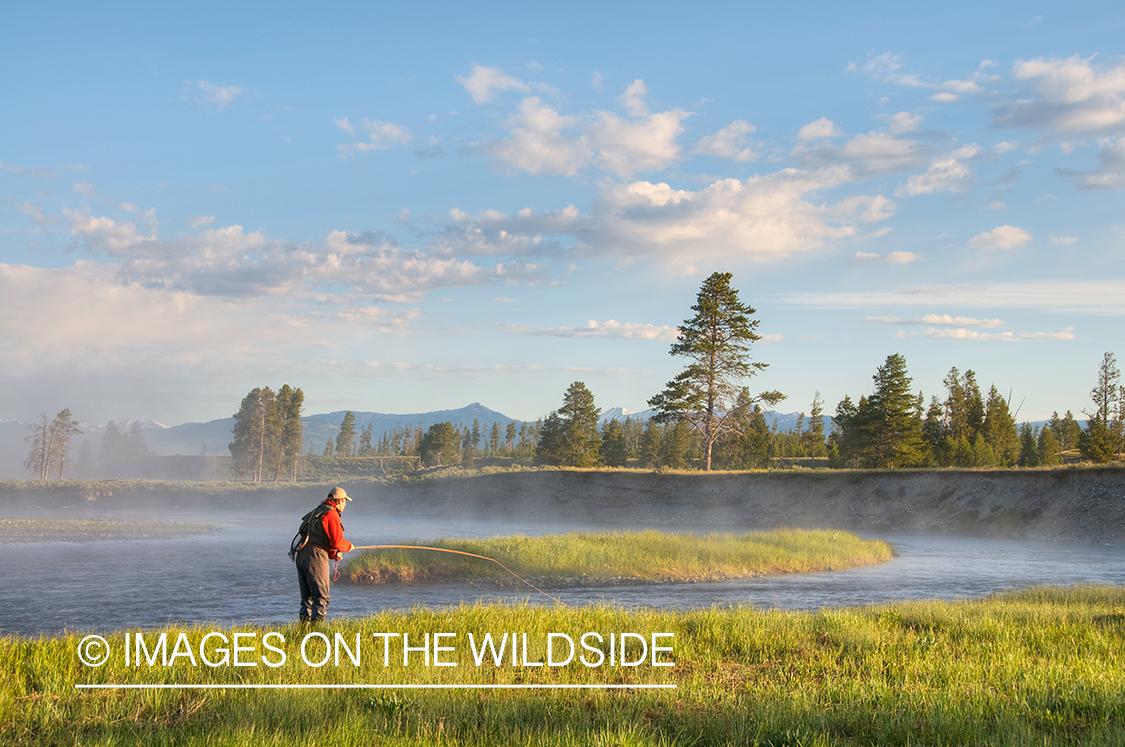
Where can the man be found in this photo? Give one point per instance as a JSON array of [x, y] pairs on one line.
[[325, 543]]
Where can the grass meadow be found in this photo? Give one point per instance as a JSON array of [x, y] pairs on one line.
[[1040, 666], [643, 556]]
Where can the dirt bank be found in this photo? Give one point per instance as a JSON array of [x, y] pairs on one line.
[[1085, 505]]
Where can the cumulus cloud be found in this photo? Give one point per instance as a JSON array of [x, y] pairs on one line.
[[823, 128], [204, 93], [537, 144], [542, 141], [871, 154], [626, 147], [609, 329], [484, 82], [633, 99], [733, 142], [1001, 237], [380, 136], [1073, 95], [763, 217], [947, 173]]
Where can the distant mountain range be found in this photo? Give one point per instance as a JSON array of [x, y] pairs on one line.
[[213, 437]]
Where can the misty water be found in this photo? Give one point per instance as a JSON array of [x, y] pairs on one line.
[[241, 573]]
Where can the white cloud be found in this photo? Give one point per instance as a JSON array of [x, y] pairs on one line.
[[1063, 240], [20, 170], [733, 141], [945, 320], [1073, 96], [893, 258], [35, 212], [633, 99], [948, 173], [380, 136], [870, 154], [1110, 173], [1001, 237], [200, 220], [1099, 297], [761, 218], [821, 129], [483, 83], [536, 144], [995, 205], [976, 336], [888, 68], [904, 122], [626, 147], [205, 93], [609, 329]]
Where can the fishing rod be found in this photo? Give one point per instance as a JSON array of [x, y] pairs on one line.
[[460, 552]]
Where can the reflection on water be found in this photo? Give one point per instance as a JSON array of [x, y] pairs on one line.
[[241, 574]]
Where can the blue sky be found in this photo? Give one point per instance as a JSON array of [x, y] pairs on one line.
[[404, 209]]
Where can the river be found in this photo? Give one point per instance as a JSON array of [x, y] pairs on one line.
[[241, 574]]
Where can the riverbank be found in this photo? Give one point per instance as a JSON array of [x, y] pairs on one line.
[[1071, 504], [615, 558], [1042, 666]]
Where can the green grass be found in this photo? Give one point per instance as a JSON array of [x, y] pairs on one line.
[[1043, 666], [92, 530], [645, 556]]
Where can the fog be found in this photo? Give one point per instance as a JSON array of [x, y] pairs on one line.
[[241, 574]]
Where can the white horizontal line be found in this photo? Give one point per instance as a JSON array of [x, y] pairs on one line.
[[244, 686]]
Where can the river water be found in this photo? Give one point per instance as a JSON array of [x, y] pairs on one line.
[[241, 574]]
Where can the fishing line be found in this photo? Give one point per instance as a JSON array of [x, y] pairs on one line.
[[459, 552]]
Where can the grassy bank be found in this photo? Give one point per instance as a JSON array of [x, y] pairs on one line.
[[91, 530], [646, 556], [1044, 666]]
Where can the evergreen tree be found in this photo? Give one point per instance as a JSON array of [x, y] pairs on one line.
[[1029, 446], [1048, 448], [440, 446], [1000, 430], [649, 453], [674, 446], [613, 444], [894, 430], [717, 342], [345, 438], [290, 402], [365, 441], [257, 433], [510, 435], [983, 455], [113, 447], [494, 439], [1105, 428], [813, 436], [62, 428], [574, 440]]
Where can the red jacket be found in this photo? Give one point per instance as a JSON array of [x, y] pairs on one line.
[[330, 534]]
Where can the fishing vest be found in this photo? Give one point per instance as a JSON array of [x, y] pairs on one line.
[[314, 520]]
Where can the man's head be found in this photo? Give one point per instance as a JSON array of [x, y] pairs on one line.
[[339, 496]]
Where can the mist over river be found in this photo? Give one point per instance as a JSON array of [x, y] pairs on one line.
[[240, 573]]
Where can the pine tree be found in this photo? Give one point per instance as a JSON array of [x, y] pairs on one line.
[[649, 453], [1029, 446], [574, 440], [1000, 430], [894, 430], [717, 341], [38, 460], [290, 401], [345, 438], [613, 444], [1048, 448], [440, 446], [257, 433]]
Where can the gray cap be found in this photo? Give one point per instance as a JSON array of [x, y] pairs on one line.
[[338, 494]]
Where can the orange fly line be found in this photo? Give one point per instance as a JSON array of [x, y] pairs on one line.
[[459, 552]]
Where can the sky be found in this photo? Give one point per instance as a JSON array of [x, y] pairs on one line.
[[412, 207]]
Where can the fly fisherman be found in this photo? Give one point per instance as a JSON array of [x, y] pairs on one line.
[[325, 542]]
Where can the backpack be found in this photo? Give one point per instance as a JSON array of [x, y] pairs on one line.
[[301, 538]]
